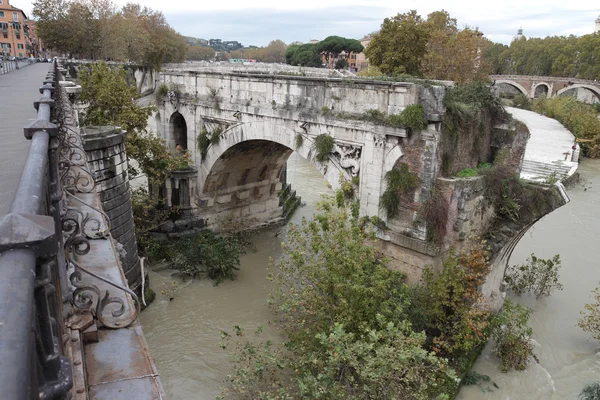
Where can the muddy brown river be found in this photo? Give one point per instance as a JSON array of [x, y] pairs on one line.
[[184, 333]]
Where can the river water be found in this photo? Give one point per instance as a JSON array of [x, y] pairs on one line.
[[184, 333]]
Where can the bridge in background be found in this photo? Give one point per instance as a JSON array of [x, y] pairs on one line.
[[536, 86]]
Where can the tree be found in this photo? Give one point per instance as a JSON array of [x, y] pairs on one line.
[[400, 45], [200, 53], [537, 275], [304, 55], [512, 336], [590, 320], [452, 54], [455, 318], [333, 46], [344, 314], [112, 102], [274, 52]]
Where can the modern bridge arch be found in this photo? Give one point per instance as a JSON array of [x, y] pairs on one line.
[[513, 84], [544, 90], [591, 88], [256, 152]]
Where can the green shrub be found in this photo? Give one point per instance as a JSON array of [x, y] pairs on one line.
[[400, 181], [323, 147], [161, 92], [413, 117], [522, 101], [467, 172], [512, 336], [206, 253], [299, 140], [203, 143], [590, 318], [537, 275]]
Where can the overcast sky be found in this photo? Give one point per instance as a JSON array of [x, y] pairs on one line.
[[256, 22]]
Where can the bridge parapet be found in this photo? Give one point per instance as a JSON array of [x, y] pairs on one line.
[[61, 274]]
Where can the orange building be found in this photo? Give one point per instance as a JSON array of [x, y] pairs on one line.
[[18, 35]]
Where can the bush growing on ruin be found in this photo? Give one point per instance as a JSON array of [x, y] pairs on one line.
[[537, 275], [400, 182], [323, 146], [434, 212], [521, 101], [512, 336], [590, 317]]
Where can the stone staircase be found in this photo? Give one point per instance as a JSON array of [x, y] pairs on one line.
[[539, 170]]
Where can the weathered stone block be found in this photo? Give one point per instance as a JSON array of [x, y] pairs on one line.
[[226, 198], [242, 194]]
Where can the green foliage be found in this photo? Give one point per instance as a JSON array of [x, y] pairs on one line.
[[579, 118], [400, 181], [413, 117], [304, 55], [467, 102], [205, 140], [323, 146], [148, 214], [337, 44], [400, 45], [206, 253], [299, 140], [341, 64], [562, 56], [435, 213], [467, 172], [590, 318], [348, 314], [452, 303], [326, 111], [512, 336], [522, 101], [590, 392], [537, 275], [112, 102], [161, 92]]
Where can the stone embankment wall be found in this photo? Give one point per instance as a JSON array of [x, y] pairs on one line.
[[105, 148]]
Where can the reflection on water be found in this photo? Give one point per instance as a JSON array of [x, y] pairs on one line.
[[184, 334], [569, 358]]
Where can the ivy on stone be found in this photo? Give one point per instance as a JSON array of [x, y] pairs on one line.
[[400, 181]]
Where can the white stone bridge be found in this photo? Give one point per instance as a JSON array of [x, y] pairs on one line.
[[263, 117]]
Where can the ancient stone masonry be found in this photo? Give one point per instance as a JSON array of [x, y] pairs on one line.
[[105, 147]]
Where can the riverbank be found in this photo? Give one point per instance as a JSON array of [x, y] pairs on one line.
[[569, 358]]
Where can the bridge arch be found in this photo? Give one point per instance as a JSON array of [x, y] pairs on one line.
[[513, 84], [541, 89], [240, 175], [591, 88], [178, 131]]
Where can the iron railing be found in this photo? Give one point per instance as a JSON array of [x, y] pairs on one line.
[[33, 276]]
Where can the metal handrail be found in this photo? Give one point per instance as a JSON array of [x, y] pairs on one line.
[[32, 361]]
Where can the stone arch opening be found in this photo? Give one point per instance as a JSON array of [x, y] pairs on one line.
[[541, 89], [178, 131], [510, 87], [243, 174], [585, 93]]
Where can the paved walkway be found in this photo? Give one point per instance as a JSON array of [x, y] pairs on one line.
[[18, 91], [546, 148]]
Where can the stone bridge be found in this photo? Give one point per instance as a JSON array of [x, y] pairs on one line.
[[536, 86], [261, 119]]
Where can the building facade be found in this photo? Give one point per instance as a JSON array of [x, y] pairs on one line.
[[362, 62], [18, 34], [597, 29]]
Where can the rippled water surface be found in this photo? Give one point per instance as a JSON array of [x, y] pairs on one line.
[[183, 334]]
